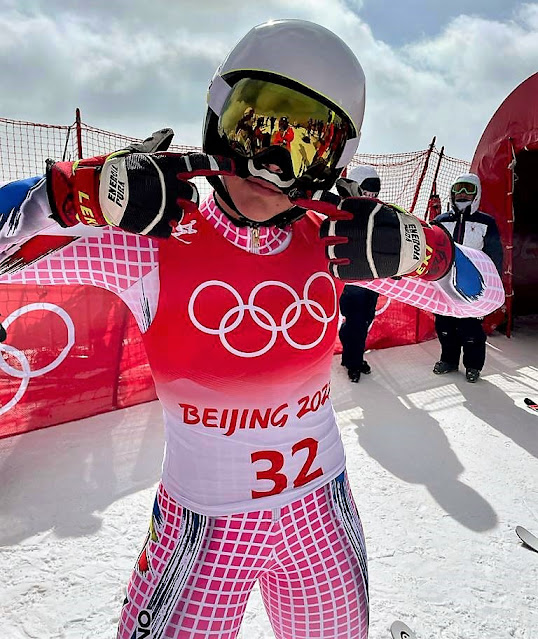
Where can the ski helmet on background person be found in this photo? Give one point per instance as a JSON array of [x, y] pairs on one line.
[[468, 184], [361, 180], [296, 70]]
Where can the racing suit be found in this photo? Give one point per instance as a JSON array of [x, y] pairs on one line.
[[253, 486]]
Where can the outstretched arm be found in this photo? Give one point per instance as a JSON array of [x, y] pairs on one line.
[[28, 231], [472, 288], [99, 258], [383, 248]]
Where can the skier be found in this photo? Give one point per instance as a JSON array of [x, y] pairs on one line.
[[469, 227], [253, 485], [357, 304]]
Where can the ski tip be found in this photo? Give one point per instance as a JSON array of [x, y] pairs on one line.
[[399, 630], [530, 540], [530, 402]]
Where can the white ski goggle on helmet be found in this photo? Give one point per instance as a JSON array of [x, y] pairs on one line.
[[272, 125]]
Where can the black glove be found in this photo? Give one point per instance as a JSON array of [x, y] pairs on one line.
[[145, 193], [158, 189], [366, 239]]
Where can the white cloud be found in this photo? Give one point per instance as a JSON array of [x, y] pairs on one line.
[[136, 66], [452, 84]]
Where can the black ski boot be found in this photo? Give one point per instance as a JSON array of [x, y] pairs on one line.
[[441, 368], [365, 367], [472, 375]]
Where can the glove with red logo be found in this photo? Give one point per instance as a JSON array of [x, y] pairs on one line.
[[366, 239], [145, 193]]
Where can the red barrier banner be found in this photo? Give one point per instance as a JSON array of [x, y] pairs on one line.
[[71, 352]]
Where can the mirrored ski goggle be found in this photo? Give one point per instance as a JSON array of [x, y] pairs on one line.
[[464, 187], [258, 115]]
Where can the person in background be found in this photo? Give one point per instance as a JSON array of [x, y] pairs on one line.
[[469, 227], [285, 135], [357, 304]]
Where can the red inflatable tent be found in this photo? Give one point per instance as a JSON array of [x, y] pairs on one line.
[[506, 160]]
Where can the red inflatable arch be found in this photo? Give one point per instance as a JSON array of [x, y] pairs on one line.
[[506, 160]]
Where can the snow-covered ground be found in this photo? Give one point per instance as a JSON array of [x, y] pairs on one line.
[[442, 472]]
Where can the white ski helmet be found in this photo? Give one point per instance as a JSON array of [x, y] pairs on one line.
[[361, 181], [287, 69], [367, 178]]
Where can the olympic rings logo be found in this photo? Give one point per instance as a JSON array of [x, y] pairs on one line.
[[262, 318], [26, 374]]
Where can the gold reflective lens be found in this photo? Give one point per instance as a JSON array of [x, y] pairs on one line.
[[259, 115]]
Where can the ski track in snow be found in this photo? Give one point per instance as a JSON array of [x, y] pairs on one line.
[[442, 472]]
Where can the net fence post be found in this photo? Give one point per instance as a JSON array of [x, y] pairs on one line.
[[78, 124], [421, 178]]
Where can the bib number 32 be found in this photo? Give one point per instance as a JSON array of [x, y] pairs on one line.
[[276, 462]]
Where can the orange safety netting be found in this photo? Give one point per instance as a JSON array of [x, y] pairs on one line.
[[24, 147]]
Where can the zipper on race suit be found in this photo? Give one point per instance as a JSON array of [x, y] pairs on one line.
[[255, 239]]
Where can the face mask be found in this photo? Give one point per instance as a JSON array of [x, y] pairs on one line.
[[462, 205]]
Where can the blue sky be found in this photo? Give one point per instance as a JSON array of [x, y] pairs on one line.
[[132, 66], [398, 23]]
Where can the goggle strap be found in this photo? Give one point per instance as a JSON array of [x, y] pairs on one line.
[[218, 185], [350, 148], [218, 92]]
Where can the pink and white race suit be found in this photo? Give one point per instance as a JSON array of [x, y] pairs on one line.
[[239, 331]]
